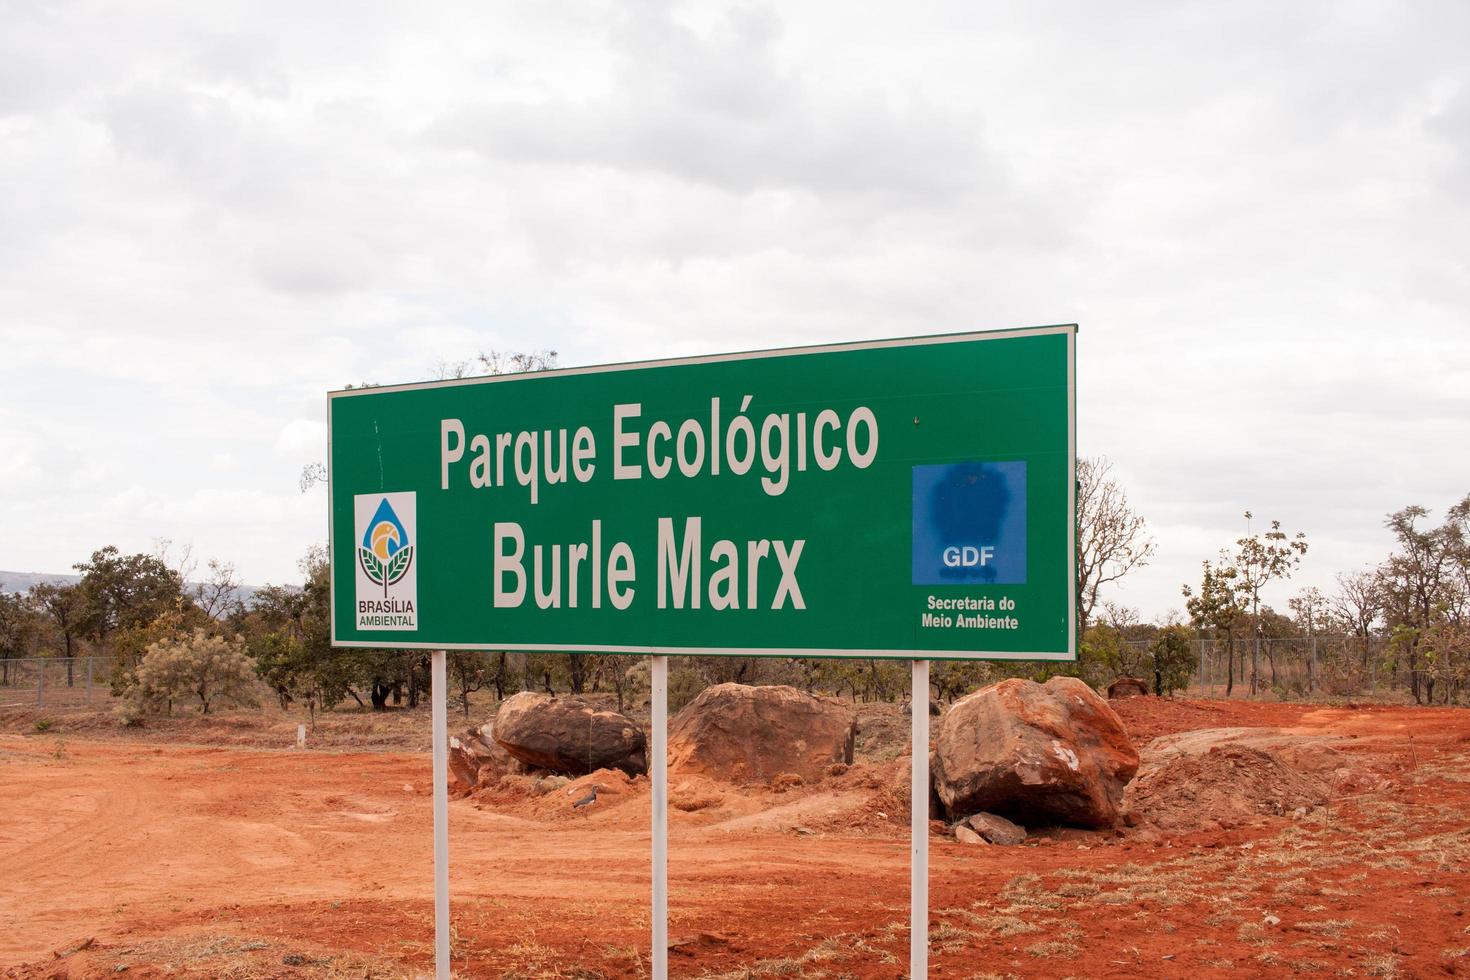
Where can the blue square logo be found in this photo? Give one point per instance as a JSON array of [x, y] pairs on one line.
[[970, 524]]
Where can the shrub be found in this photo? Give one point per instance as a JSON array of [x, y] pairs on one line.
[[211, 668]]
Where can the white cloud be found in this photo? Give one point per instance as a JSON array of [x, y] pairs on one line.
[[1257, 213]]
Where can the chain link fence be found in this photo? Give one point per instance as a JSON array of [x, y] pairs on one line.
[[54, 683], [1298, 666]]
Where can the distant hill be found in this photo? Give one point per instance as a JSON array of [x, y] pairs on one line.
[[22, 581], [15, 582]]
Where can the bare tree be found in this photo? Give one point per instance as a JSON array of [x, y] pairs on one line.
[[1310, 607], [516, 362], [179, 558], [489, 362], [219, 594], [1112, 538], [1358, 602]]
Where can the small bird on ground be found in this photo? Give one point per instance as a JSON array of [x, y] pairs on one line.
[[587, 800]]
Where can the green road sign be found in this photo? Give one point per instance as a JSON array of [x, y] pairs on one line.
[[893, 498]]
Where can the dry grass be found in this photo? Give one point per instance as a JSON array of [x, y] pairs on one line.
[[1382, 965], [1053, 948], [240, 958]]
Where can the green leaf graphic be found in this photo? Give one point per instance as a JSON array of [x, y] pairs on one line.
[[398, 564], [372, 565]]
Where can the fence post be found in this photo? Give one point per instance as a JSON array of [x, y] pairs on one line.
[[89, 679], [40, 683]]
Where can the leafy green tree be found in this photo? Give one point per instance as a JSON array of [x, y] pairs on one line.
[[1260, 559], [290, 638], [125, 592], [63, 604], [1217, 606], [1171, 660], [289, 634], [18, 627], [1418, 585]]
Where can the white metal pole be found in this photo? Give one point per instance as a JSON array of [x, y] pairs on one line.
[[438, 686], [659, 772], [919, 824]]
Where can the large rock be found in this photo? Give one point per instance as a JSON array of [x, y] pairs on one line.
[[1127, 687], [1036, 753], [740, 733], [568, 735]]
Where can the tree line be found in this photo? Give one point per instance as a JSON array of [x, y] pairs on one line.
[[169, 639]]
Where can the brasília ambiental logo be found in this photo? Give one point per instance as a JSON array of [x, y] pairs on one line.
[[385, 552]]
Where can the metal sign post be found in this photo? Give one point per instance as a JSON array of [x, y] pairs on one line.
[[438, 687], [919, 823], [659, 772]]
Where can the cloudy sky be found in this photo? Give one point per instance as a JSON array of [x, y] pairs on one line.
[[211, 214]]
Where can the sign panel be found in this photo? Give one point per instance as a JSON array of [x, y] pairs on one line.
[[894, 498]]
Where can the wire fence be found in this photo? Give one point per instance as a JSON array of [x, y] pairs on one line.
[[1296, 666], [54, 683]]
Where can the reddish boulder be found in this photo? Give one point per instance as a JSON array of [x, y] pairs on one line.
[[568, 735], [740, 733], [476, 760], [1034, 753], [1127, 687]]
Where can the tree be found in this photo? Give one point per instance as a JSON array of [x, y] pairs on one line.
[[65, 606], [17, 626], [492, 362], [1171, 659], [125, 591], [218, 596], [471, 670], [1415, 581], [1358, 602], [616, 669], [1259, 560], [1217, 606], [1112, 538], [289, 632], [209, 668], [1310, 607]]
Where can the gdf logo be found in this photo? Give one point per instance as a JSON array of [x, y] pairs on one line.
[[968, 556], [970, 523]]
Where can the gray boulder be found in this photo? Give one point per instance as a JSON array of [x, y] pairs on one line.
[[996, 830]]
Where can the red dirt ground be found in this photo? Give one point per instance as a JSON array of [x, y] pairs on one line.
[[207, 861]]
